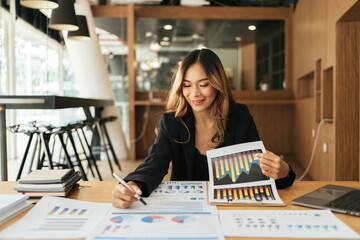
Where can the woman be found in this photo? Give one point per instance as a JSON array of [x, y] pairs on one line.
[[201, 115]]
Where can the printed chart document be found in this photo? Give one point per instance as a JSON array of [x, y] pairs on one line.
[[284, 224], [235, 176], [56, 217], [174, 210]]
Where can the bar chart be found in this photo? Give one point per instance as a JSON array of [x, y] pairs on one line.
[[257, 193], [238, 167]]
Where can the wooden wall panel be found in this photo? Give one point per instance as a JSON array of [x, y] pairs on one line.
[[347, 100], [248, 55], [313, 39], [275, 124]]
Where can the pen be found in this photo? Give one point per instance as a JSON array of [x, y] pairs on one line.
[[128, 187]]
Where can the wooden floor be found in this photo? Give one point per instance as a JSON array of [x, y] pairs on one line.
[[129, 166]]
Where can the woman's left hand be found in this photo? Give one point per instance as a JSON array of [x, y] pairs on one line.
[[272, 165]]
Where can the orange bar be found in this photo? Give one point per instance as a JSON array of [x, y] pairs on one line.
[[241, 193], [246, 164], [256, 191], [246, 192], [229, 192], [267, 191], [250, 158], [232, 170], [224, 193], [222, 168], [216, 169], [226, 164], [251, 192], [254, 157], [218, 194], [235, 194], [241, 162], [261, 190], [236, 166]]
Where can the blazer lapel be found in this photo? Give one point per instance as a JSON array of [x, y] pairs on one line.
[[189, 147]]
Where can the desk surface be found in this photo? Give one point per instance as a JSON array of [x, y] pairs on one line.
[[96, 191], [51, 102]]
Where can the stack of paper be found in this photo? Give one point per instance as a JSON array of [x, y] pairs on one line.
[[49, 182], [11, 205]]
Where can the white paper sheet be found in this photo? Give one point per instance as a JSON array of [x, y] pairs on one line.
[[121, 225], [57, 217], [284, 224], [235, 176]]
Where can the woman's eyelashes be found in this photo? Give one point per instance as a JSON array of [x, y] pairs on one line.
[[201, 85]]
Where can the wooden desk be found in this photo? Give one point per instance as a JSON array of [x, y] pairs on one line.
[[101, 192]]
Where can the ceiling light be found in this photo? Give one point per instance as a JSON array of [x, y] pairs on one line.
[[252, 27], [155, 46], [40, 4], [155, 64], [148, 34], [164, 43], [83, 32], [165, 38], [63, 17], [167, 27], [238, 39]]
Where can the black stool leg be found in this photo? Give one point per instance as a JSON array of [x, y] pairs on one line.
[[110, 145], [67, 156], [76, 155], [24, 157], [102, 139], [91, 154], [45, 138], [34, 153], [90, 163]]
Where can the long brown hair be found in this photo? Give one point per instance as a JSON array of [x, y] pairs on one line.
[[216, 74]]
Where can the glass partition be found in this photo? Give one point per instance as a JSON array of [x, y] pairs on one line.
[[3, 59], [252, 51]]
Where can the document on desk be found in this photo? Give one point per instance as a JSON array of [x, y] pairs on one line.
[[174, 210], [118, 224], [284, 224], [235, 176], [57, 217]]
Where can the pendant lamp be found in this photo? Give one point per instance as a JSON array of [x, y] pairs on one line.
[[83, 32], [63, 17], [40, 4]]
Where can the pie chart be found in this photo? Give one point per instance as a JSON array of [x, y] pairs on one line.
[[183, 219], [153, 219], [122, 218]]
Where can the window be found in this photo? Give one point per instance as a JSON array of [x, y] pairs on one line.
[[3, 58]]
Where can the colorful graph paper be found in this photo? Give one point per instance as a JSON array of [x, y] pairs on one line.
[[258, 193], [235, 168]]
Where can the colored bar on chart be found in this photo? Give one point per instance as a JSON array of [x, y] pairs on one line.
[[217, 169], [218, 193], [249, 158], [116, 228], [241, 195], [107, 228], [235, 194], [54, 210], [241, 162], [236, 163], [251, 193], [224, 193], [226, 164], [73, 211], [222, 167], [232, 170], [246, 194], [64, 211], [82, 212], [246, 163]]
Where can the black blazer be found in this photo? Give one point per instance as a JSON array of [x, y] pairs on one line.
[[169, 147]]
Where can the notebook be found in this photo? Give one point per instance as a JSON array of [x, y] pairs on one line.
[[336, 198], [47, 176]]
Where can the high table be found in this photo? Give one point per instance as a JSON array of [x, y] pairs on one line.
[[39, 102], [96, 191]]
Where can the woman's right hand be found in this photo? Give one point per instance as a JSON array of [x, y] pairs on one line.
[[123, 197]]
